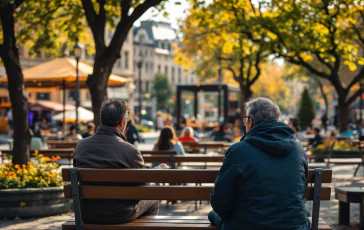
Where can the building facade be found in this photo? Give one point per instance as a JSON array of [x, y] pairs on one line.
[[153, 45]]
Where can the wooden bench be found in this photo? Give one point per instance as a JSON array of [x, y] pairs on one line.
[[315, 191], [61, 144], [203, 146], [66, 154], [190, 160]]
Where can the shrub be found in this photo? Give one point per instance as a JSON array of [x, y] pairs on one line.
[[40, 173]]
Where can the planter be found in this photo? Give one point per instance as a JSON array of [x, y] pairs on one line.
[[33, 202]]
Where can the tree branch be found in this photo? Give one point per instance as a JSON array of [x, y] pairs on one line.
[[91, 15], [356, 79], [257, 74], [305, 64], [317, 54], [126, 23], [236, 78], [125, 7], [353, 97]]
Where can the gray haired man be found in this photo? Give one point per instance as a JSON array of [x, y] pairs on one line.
[[262, 181], [108, 148]]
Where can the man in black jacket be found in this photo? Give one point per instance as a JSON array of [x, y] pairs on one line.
[[262, 181]]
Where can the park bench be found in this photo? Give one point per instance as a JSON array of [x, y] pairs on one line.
[[60, 144], [66, 154], [315, 191], [203, 146], [190, 160]]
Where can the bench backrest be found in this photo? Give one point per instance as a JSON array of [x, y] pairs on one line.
[[62, 144], [163, 153], [63, 153], [315, 190]]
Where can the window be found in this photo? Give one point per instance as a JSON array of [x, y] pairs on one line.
[[146, 86], [146, 53], [42, 96], [179, 72], [146, 67], [151, 67], [166, 70], [172, 73], [179, 79], [39, 55], [159, 68], [126, 59], [162, 45], [134, 66]]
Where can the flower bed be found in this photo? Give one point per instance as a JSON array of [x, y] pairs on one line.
[[32, 190], [340, 148]]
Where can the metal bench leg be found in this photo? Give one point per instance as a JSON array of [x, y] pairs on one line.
[[344, 213], [362, 213], [316, 199], [357, 169]]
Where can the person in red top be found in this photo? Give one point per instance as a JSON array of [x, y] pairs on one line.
[[187, 135]]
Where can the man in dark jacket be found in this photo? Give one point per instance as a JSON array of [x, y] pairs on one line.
[[108, 148], [262, 181]]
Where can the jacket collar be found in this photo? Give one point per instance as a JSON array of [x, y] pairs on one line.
[[111, 131]]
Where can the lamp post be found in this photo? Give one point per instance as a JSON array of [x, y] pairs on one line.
[[139, 65], [77, 52]]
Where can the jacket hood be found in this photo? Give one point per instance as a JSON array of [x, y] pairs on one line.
[[107, 130], [272, 137]]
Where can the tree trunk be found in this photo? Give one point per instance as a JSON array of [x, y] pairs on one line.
[[324, 96], [344, 116], [97, 83], [245, 95], [10, 56]]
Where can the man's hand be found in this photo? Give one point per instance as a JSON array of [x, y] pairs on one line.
[[162, 166]]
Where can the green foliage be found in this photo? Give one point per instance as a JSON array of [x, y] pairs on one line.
[[161, 90], [52, 26], [305, 112], [143, 128]]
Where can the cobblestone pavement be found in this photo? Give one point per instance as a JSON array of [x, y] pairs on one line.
[[329, 209]]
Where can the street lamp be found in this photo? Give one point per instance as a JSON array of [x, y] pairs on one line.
[[77, 52], [139, 65]]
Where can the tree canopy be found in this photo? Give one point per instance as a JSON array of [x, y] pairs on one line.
[[161, 90], [214, 38]]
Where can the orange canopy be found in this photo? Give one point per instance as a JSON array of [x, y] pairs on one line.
[[54, 72]]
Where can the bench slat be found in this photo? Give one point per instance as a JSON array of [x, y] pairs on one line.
[[164, 153], [177, 159], [143, 175], [162, 176], [159, 221], [160, 193], [142, 192]]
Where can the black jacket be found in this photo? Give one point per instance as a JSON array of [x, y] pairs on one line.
[[262, 181]]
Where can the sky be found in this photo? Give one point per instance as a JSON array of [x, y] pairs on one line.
[[175, 13]]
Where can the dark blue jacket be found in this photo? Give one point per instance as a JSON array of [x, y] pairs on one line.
[[262, 181]]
